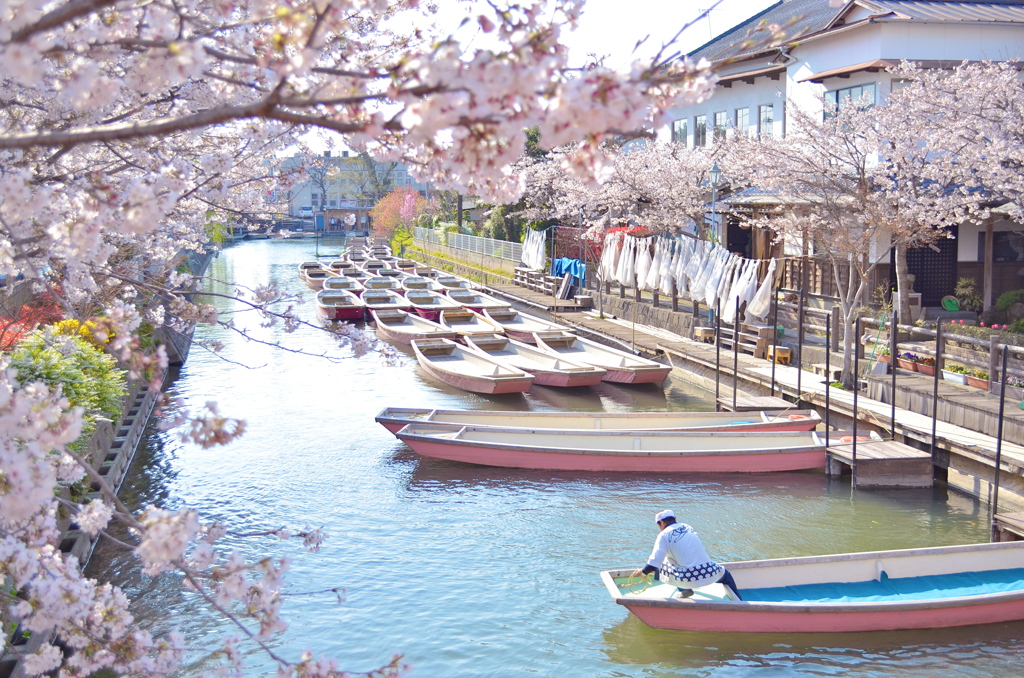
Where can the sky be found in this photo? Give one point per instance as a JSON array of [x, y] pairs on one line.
[[612, 27]]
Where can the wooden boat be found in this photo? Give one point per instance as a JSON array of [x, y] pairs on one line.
[[394, 418], [305, 266], [339, 305], [399, 327], [384, 300], [521, 326], [342, 283], [547, 369], [390, 273], [641, 451], [923, 588], [406, 265], [477, 301], [357, 257], [621, 367], [337, 265], [450, 282], [315, 277], [416, 282], [467, 323], [371, 266], [424, 271], [429, 304], [470, 370], [352, 272], [382, 283]]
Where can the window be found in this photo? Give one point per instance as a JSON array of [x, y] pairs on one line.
[[316, 199], [862, 95], [700, 131], [721, 123], [742, 120], [679, 131], [333, 202], [766, 119]]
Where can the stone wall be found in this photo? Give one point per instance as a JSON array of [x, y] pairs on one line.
[[460, 269], [678, 322]]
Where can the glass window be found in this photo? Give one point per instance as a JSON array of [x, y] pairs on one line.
[[700, 131], [861, 95], [679, 131], [766, 119], [721, 123], [742, 120]]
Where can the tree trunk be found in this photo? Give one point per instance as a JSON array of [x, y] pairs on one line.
[[902, 304]]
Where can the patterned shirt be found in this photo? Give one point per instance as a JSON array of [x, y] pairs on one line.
[[680, 557]]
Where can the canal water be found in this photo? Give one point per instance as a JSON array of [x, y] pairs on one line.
[[472, 571]]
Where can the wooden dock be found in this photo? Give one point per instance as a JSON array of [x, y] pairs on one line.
[[880, 463], [753, 404], [1008, 527], [521, 295]]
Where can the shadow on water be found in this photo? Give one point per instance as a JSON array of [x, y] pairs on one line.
[[881, 653]]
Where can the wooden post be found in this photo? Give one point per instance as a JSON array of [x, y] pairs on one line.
[[736, 355], [654, 299], [828, 374], [999, 448], [935, 387], [993, 357], [675, 296], [987, 271], [718, 353], [893, 347], [835, 333], [775, 335], [800, 347], [622, 291], [856, 391]]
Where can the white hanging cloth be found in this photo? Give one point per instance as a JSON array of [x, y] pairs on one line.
[[711, 286], [653, 277], [643, 261], [749, 287], [610, 256], [762, 301], [533, 250], [627, 262], [665, 272]]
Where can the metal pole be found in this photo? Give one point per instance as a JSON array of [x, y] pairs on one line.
[[828, 374], [736, 355], [718, 352], [935, 386], [800, 347], [893, 345], [999, 445], [775, 338], [856, 389]]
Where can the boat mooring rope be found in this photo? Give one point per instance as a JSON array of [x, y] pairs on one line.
[[639, 583]]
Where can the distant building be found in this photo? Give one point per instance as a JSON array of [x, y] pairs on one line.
[[841, 54], [340, 190]]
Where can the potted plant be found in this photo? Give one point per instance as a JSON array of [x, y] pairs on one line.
[[1014, 388], [956, 373], [978, 379], [907, 361], [883, 355], [926, 366]]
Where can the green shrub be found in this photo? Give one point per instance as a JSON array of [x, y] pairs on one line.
[[1008, 299], [88, 377]]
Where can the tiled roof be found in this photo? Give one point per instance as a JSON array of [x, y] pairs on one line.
[[796, 17], [799, 18], [965, 10]]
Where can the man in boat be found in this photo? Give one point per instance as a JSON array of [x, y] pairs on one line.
[[679, 558]]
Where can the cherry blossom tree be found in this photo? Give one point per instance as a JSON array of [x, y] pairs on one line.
[[398, 209], [127, 129]]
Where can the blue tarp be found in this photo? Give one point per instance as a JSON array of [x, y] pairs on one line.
[[908, 588], [560, 267]]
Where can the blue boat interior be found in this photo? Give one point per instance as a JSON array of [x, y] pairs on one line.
[[930, 587]]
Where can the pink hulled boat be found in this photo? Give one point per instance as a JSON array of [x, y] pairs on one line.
[[429, 304], [547, 369], [641, 451], [343, 283], [394, 418], [384, 300], [924, 588], [521, 326], [402, 328], [620, 367], [339, 305], [468, 369], [477, 301]]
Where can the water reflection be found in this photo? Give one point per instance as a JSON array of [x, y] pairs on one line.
[[473, 571], [904, 653]]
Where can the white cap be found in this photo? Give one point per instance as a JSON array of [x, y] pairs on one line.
[[665, 515]]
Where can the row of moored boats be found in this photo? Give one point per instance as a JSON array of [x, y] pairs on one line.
[[462, 336]]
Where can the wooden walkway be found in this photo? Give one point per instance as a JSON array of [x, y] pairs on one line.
[[911, 426], [880, 463], [522, 295]]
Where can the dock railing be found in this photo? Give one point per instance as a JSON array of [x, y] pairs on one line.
[[502, 249]]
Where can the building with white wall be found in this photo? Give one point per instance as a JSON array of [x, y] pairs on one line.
[[838, 53]]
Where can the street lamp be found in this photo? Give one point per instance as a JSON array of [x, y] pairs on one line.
[[714, 174]]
